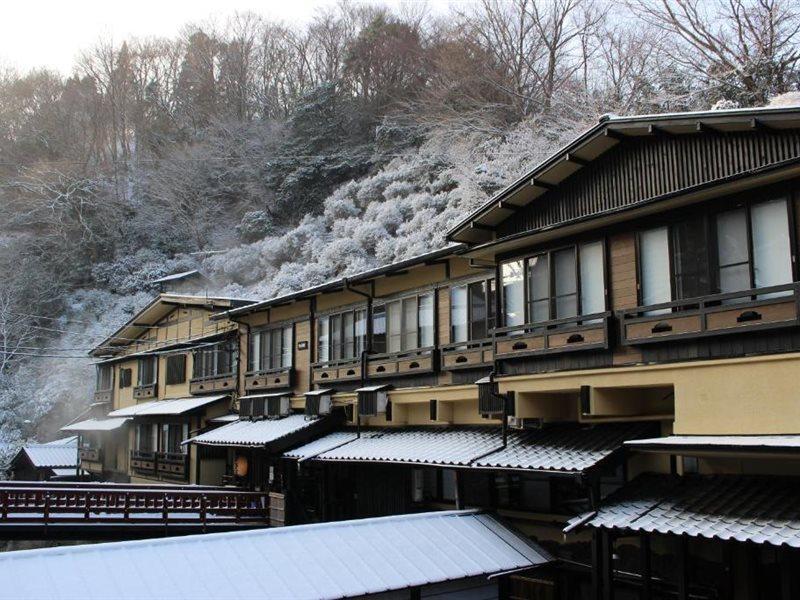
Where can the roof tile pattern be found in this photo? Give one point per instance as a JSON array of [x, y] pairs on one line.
[[254, 433], [328, 560], [48, 455], [743, 508]]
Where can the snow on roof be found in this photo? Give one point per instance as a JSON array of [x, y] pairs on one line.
[[224, 419], [300, 562], [96, 424], [66, 472], [732, 442], [320, 445], [254, 433], [71, 440], [176, 276], [46, 455], [175, 406]]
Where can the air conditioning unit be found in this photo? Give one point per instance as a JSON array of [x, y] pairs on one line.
[[318, 402], [525, 423], [278, 406], [372, 400]]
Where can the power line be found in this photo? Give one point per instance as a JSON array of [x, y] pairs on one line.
[[44, 355]]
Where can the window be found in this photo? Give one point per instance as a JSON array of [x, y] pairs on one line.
[[472, 309], [176, 369], [523, 492], [434, 485], [404, 324], [270, 349], [735, 250], [557, 284], [172, 434], [125, 378], [146, 437], [341, 335], [104, 378], [148, 370], [214, 361]]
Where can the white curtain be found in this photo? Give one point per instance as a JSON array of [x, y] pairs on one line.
[[592, 278], [654, 253], [772, 257]]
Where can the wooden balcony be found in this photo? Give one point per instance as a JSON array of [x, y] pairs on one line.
[[174, 465], [143, 462], [91, 455], [348, 369], [143, 392], [584, 332], [103, 396], [401, 364], [270, 379], [467, 355], [719, 314], [215, 383]]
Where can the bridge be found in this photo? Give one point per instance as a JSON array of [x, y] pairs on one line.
[[43, 510]]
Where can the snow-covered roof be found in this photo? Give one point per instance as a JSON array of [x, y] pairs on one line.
[[474, 228], [67, 472], [175, 406], [71, 440], [718, 442], [342, 559], [46, 455], [177, 276], [97, 424], [224, 419], [343, 282], [255, 433], [320, 445]]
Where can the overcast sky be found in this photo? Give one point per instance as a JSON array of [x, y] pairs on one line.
[[51, 33]]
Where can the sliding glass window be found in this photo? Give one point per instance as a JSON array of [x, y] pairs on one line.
[[558, 284], [270, 348], [472, 309], [341, 336], [404, 324]]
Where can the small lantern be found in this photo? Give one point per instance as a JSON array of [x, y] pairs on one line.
[[240, 466]]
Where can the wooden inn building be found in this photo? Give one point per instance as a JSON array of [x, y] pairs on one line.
[[604, 356]]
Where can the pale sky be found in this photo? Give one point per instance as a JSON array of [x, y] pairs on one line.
[[52, 33]]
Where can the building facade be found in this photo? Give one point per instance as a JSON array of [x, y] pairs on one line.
[[605, 356]]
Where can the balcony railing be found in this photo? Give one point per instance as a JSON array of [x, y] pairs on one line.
[[143, 462], [93, 455], [269, 379], [583, 332], [103, 396], [346, 369], [467, 355], [765, 308], [397, 364], [174, 465], [223, 382], [142, 392]]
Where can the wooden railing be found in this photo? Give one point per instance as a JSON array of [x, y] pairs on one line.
[[224, 382], [582, 332], [91, 454], [143, 392], [467, 355], [755, 309], [50, 503], [269, 379], [398, 364], [345, 369], [173, 464]]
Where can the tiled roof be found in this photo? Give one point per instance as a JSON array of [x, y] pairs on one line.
[[97, 424], [320, 445], [255, 433], [744, 508], [47, 455], [174, 406], [342, 559], [568, 447]]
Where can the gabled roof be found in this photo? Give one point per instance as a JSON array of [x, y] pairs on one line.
[[160, 307], [48, 455], [342, 559], [596, 141], [174, 406], [96, 425], [744, 508]]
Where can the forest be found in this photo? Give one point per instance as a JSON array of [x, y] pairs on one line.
[[273, 157]]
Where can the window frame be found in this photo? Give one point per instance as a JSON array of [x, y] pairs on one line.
[[127, 380], [109, 369], [549, 252], [168, 376], [709, 214], [400, 299], [267, 333], [490, 297], [215, 350], [357, 341], [139, 370]]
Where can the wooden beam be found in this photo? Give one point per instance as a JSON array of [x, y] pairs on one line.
[[541, 184], [759, 125], [656, 130], [481, 226], [701, 127], [647, 575], [682, 555], [571, 158], [508, 206], [613, 134]]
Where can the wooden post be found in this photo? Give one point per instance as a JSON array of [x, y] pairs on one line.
[[787, 562], [647, 582], [683, 568], [608, 565], [727, 562], [597, 565], [459, 490]]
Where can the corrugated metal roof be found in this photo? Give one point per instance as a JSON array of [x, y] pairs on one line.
[[564, 448], [97, 424], [254, 433], [744, 508], [568, 447], [175, 406], [328, 560], [720, 442], [65, 441], [224, 419], [320, 445], [47, 455], [66, 471]]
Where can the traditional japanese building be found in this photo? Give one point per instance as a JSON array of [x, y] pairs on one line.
[[161, 378]]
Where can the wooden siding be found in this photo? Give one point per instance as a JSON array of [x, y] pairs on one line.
[[444, 315], [641, 169]]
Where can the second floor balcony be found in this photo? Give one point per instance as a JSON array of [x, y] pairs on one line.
[[583, 332]]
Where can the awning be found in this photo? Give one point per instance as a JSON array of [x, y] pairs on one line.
[[302, 562], [568, 448], [742, 508], [778, 444], [375, 388], [67, 472], [322, 392], [269, 395], [176, 406], [97, 424], [265, 432]]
